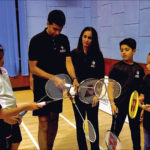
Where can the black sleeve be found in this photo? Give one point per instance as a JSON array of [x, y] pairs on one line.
[[34, 49], [113, 74], [0, 106], [141, 82], [67, 46]]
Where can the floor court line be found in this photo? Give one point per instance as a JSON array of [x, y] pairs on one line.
[[30, 135], [67, 120], [73, 125], [33, 140]]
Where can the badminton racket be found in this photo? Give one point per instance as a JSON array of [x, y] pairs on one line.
[[113, 89], [52, 91], [133, 104], [88, 127], [67, 92], [112, 141], [88, 89]]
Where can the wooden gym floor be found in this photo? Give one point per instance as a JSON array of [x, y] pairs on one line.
[[66, 136]]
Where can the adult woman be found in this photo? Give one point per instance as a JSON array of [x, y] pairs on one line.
[[88, 62]]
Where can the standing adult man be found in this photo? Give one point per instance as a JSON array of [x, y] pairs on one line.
[[49, 54]]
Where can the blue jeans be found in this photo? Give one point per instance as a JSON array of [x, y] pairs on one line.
[[146, 139]]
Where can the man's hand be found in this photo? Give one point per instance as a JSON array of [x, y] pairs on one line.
[[59, 82]]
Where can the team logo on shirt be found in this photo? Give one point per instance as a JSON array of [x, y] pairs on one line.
[[93, 64], [137, 74], [62, 49]]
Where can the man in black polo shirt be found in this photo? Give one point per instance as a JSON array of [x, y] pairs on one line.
[[49, 54]]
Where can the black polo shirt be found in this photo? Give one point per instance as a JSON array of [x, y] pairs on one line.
[[49, 52], [130, 77], [51, 55], [146, 87], [88, 65]]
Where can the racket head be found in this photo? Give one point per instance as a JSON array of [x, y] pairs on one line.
[[133, 104], [100, 89], [89, 131], [86, 90], [112, 141], [115, 88], [53, 91]]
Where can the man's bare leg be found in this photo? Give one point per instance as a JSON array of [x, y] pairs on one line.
[[52, 128], [42, 133]]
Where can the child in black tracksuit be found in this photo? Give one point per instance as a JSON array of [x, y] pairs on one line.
[[130, 75], [146, 116]]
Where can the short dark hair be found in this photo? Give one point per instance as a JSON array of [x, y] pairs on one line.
[[57, 17], [130, 42], [1, 48]]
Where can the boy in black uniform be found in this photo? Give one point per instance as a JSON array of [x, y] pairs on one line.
[[49, 54], [130, 75]]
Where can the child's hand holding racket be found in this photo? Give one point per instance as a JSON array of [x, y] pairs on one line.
[[33, 106], [113, 91], [146, 107], [141, 100]]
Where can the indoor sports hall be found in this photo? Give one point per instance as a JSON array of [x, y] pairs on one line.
[[114, 20]]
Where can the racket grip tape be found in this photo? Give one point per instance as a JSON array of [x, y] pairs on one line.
[[23, 113], [43, 103]]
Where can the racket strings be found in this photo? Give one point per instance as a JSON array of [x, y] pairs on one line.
[[89, 130], [86, 94], [117, 90], [100, 89], [112, 141], [133, 104], [56, 92], [113, 89]]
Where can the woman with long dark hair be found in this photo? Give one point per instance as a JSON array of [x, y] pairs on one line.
[[88, 62]]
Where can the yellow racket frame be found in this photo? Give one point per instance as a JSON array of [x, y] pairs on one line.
[[134, 96]]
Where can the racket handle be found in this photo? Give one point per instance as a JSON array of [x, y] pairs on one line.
[[43, 103], [23, 113], [145, 106], [67, 85]]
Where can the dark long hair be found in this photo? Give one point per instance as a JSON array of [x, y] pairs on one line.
[[94, 47]]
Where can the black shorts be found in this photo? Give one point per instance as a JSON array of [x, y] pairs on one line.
[[9, 133], [39, 92], [52, 107]]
